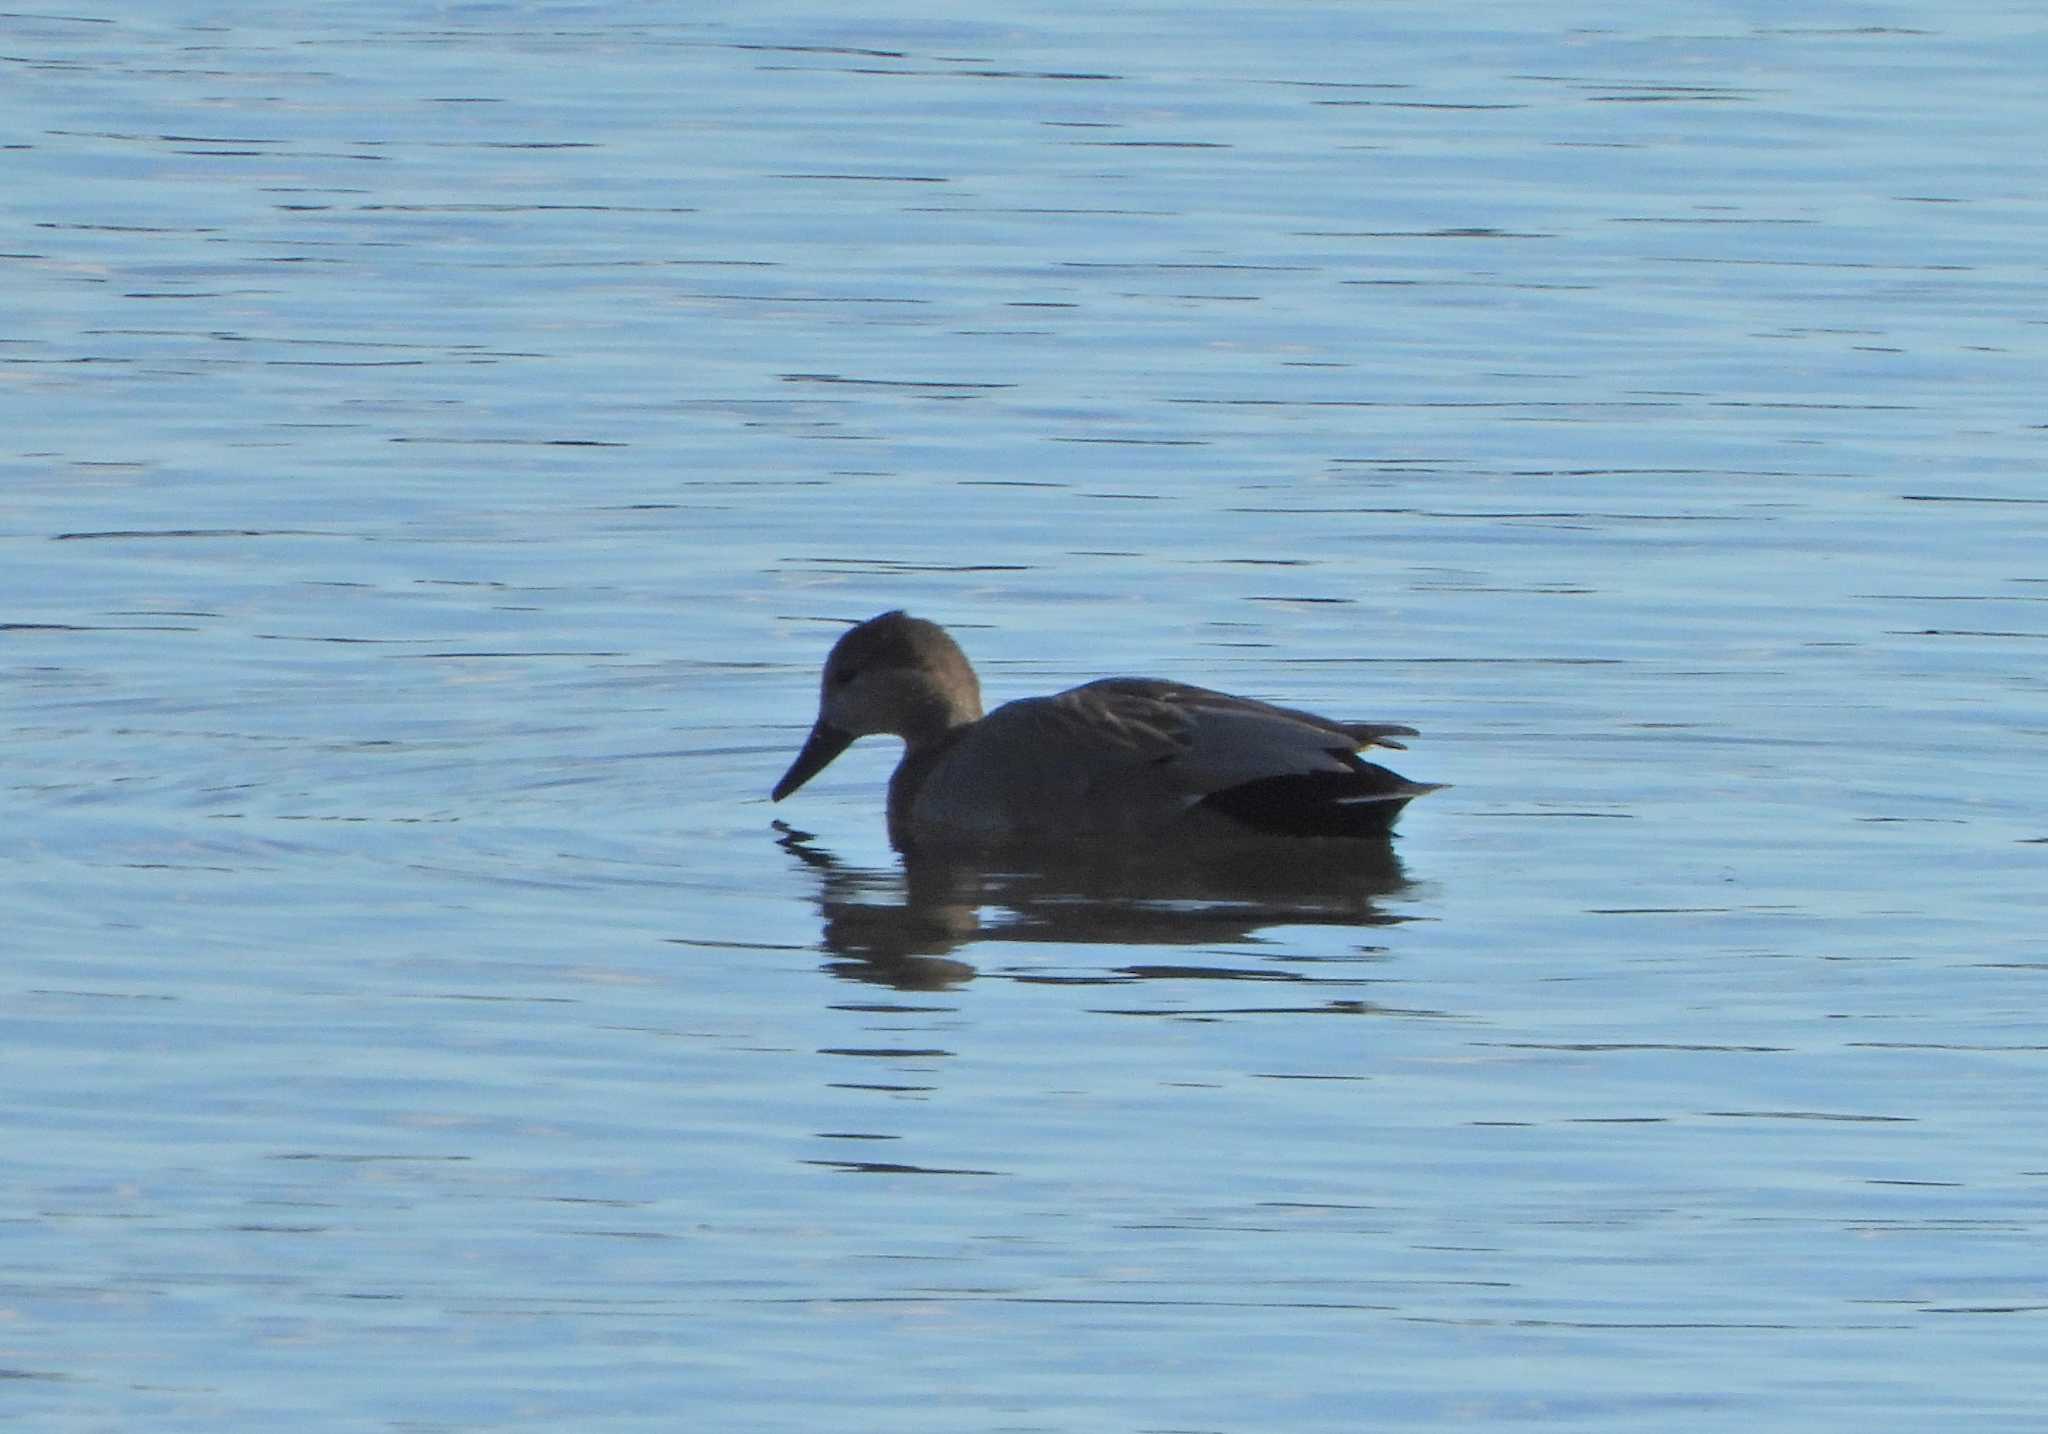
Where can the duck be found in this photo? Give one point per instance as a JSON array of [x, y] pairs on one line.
[[1123, 758]]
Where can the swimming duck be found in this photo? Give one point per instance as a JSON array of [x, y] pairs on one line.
[[1124, 757]]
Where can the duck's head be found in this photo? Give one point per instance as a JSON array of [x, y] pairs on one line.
[[896, 674]]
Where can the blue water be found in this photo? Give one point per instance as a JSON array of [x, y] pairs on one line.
[[441, 446]]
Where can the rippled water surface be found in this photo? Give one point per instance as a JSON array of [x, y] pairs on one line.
[[441, 444]]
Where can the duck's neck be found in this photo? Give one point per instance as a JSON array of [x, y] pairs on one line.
[[935, 708]]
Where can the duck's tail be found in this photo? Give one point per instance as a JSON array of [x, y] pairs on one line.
[[1361, 802]]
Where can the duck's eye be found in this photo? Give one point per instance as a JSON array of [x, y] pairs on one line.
[[843, 676]]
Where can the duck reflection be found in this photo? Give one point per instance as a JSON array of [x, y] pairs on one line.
[[901, 926]]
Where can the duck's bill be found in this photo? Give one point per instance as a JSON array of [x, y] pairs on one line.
[[824, 743]]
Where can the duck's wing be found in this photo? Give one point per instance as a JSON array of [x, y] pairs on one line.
[[1201, 703], [1139, 753], [1276, 770]]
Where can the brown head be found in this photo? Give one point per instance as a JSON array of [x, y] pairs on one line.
[[892, 674]]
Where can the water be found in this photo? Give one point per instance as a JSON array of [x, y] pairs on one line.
[[441, 445]]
